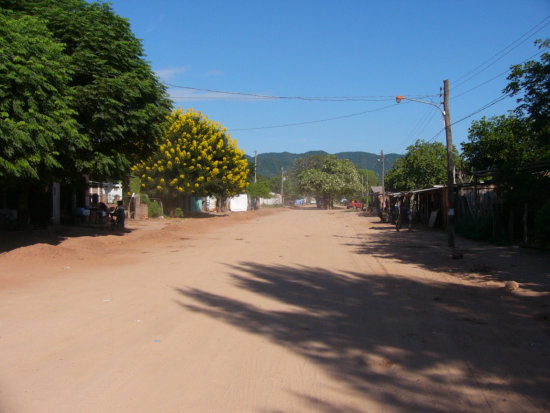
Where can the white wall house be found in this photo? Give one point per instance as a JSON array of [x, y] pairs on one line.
[[274, 199], [109, 192]]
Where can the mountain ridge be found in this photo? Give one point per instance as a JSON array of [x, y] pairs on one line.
[[270, 163]]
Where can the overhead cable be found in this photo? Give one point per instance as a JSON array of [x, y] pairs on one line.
[[481, 109], [500, 54], [276, 97], [495, 77], [313, 121]]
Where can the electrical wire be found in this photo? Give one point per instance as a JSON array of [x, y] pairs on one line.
[[495, 77], [303, 98], [500, 54], [313, 121], [481, 109], [422, 124], [486, 106]]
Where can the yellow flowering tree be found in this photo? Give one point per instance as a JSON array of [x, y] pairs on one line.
[[196, 157]]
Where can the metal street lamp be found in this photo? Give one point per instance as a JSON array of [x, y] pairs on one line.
[[450, 160], [398, 99]]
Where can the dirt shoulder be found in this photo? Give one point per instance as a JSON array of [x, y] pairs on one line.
[[27, 256]]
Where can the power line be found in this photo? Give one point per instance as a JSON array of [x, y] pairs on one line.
[[497, 76], [313, 121], [422, 124], [277, 97], [481, 109], [500, 54], [488, 105]]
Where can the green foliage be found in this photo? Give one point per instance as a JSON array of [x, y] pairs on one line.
[[274, 183], [501, 142], [532, 80], [178, 213], [134, 185], [260, 189], [154, 208], [369, 177], [423, 166], [116, 100], [327, 178], [37, 127]]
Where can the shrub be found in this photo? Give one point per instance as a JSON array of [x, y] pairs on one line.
[[155, 210], [178, 213], [153, 207]]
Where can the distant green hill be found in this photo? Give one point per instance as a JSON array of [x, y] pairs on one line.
[[269, 164]]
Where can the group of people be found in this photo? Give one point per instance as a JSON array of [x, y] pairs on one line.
[[116, 216]]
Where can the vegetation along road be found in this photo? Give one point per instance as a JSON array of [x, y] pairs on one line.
[[287, 310]]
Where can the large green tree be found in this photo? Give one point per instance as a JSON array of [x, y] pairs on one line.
[[508, 145], [368, 180], [501, 142], [120, 104], [423, 166], [327, 178], [530, 81], [259, 189], [37, 126]]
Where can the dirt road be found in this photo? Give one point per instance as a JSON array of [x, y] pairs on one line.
[[271, 311]]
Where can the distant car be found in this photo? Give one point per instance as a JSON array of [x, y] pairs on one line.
[[355, 204]]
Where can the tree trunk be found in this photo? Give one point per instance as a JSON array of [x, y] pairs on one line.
[[511, 225], [23, 215], [525, 211]]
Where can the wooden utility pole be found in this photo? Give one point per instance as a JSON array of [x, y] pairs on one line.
[[450, 167], [367, 189], [383, 187], [255, 164], [282, 185]]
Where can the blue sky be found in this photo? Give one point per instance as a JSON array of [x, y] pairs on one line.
[[358, 54]]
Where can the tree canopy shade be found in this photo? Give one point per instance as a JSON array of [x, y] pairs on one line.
[[368, 179], [259, 189], [499, 142], [532, 81], [507, 144], [38, 129], [118, 103], [326, 178], [423, 166], [196, 157]]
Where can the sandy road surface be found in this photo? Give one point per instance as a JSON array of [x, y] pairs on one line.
[[272, 311]]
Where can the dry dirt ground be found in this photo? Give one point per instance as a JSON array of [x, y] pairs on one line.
[[294, 310]]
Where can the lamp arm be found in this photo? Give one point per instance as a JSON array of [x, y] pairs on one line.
[[399, 98]]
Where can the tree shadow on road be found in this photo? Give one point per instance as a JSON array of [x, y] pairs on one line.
[[404, 343], [10, 240], [428, 249]]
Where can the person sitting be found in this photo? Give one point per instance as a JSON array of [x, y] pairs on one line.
[[99, 211], [118, 216]]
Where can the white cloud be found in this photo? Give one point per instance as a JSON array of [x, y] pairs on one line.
[[186, 95], [170, 72]]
